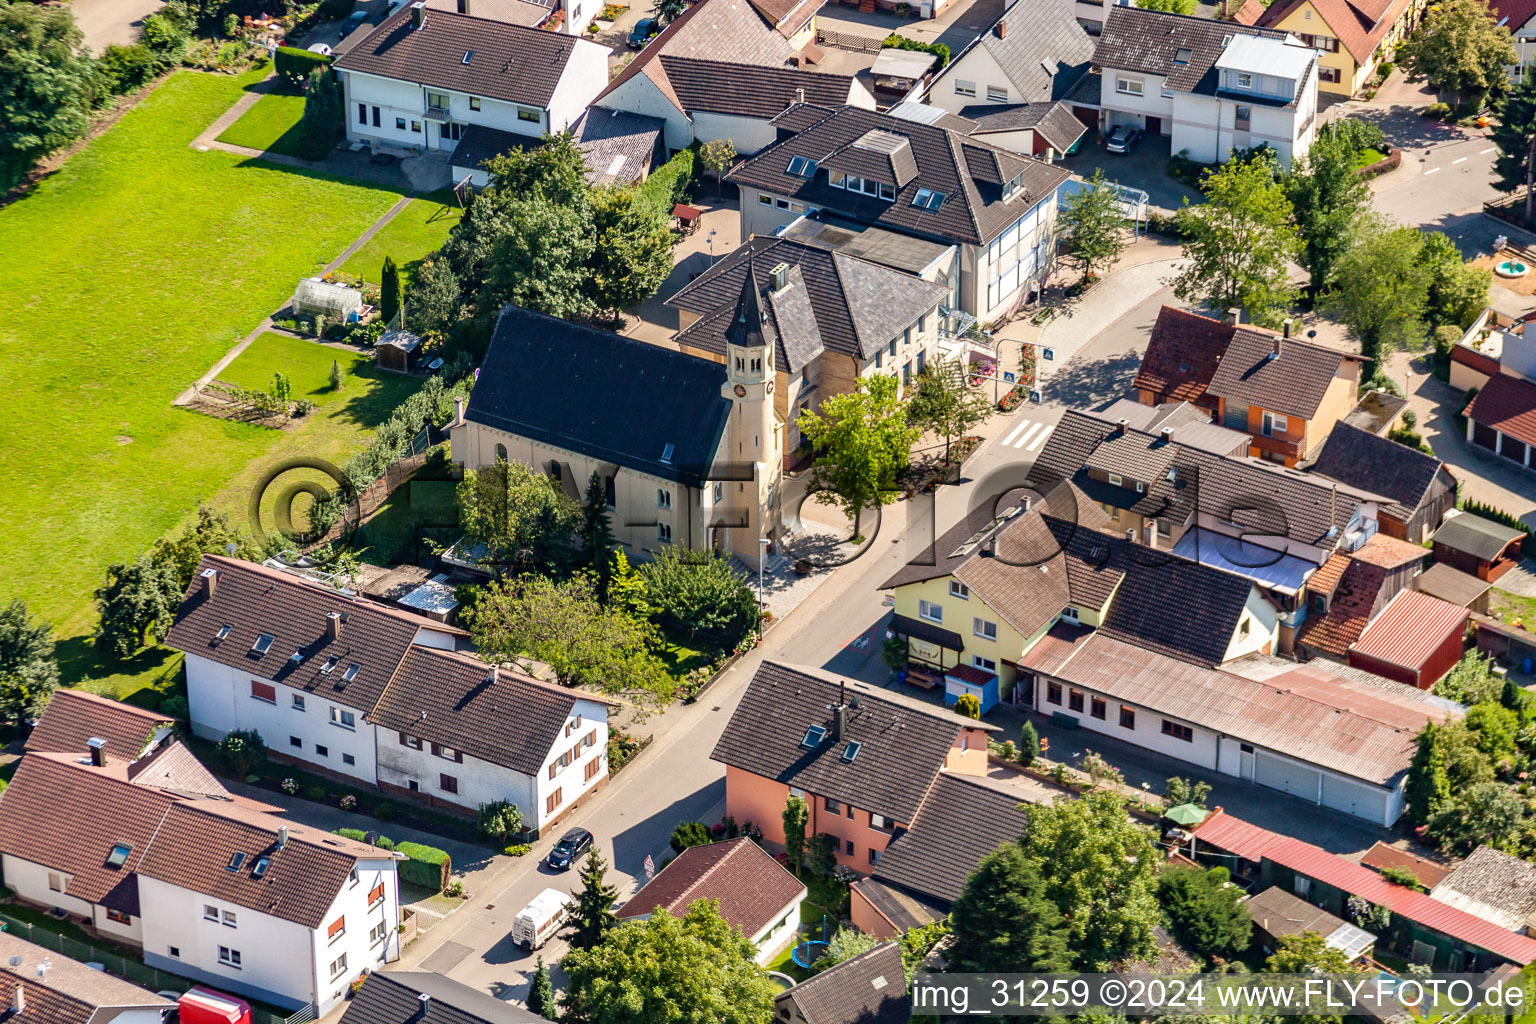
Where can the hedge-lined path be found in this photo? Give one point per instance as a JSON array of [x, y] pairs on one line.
[[266, 323]]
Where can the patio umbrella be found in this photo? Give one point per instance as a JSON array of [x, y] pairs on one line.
[[1186, 814]]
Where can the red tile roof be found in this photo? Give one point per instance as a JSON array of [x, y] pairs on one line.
[[1253, 843], [1327, 576], [1387, 552], [1410, 629], [751, 887], [1360, 25], [1513, 13], [1508, 405], [1182, 355], [1383, 856], [1349, 612], [74, 716]]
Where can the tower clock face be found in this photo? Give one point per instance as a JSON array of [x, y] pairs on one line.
[[770, 387], [741, 391]]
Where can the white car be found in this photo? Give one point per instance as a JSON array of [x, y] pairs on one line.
[[1122, 138], [320, 48]]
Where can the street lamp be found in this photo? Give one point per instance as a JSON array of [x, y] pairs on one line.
[[762, 560]]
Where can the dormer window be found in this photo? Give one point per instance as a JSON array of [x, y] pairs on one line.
[[1243, 80]]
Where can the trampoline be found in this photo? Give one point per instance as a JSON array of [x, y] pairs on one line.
[[807, 953]]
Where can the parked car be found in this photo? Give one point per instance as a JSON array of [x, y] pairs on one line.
[[1122, 138], [643, 32], [571, 848], [535, 923]]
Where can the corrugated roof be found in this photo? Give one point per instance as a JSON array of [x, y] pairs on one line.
[[1410, 628], [1475, 535]]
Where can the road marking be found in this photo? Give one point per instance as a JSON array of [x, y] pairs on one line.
[[1014, 432], [1459, 160], [1024, 437], [1490, 149], [1041, 439], [1433, 170]]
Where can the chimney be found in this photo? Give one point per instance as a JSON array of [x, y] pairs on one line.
[[419, 15], [1234, 316], [800, 95], [18, 999], [333, 626], [282, 836], [210, 582], [779, 277], [464, 7], [98, 749], [840, 714], [494, 674], [458, 411], [1167, 434], [1285, 328], [1120, 425], [423, 1002], [1002, 28]]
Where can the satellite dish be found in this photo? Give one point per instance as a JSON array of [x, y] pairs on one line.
[[1312, 333]]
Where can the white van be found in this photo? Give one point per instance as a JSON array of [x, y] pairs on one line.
[[539, 920]]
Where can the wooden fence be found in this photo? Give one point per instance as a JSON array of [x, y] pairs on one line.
[[373, 497]]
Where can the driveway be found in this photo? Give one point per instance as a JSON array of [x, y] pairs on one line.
[[1144, 167], [718, 234], [955, 27], [105, 22]]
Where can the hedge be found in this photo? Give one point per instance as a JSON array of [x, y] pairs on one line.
[[896, 41], [358, 835], [294, 64], [671, 183], [426, 866]]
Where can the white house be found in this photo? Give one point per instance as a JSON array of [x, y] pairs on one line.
[[430, 80], [38, 983], [1211, 87]]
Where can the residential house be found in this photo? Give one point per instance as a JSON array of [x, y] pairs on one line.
[[998, 208], [1496, 886], [831, 318], [924, 870], [1351, 589], [756, 895], [1477, 546], [1192, 423], [380, 696], [870, 988], [1421, 487], [667, 432], [1416, 640], [1432, 931], [1310, 732], [37, 983], [210, 886], [73, 718], [1014, 80], [435, 80], [1182, 355], [862, 757], [1352, 37], [1277, 914], [1211, 87], [426, 997], [1502, 419], [1493, 342]]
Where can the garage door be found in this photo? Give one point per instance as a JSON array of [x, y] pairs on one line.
[[1286, 776], [1368, 802]]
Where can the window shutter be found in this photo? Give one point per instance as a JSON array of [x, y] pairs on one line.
[[376, 894], [403, 741], [458, 756], [436, 750], [336, 927]]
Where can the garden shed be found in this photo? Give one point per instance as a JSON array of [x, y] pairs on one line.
[[316, 297], [397, 351]]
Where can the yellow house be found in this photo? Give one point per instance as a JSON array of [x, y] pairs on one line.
[[1352, 37]]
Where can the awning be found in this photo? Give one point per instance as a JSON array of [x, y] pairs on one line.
[[917, 629]]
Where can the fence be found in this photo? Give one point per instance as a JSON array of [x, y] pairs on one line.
[[374, 496], [849, 41], [128, 968]]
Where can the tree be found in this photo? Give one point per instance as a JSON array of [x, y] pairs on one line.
[[335, 378], [626, 590], [1458, 291], [1494, 729], [47, 85], [717, 155], [1460, 48], [137, 602], [29, 671], [564, 625], [436, 299], [322, 109], [1184, 7], [795, 816], [1515, 135], [633, 251], [1099, 868], [499, 821], [1029, 743], [668, 11], [1239, 241], [1308, 953], [689, 833], [541, 994], [522, 517], [1003, 920], [821, 854], [1428, 785], [862, 442], [209, 533], [592, 916], [1487, 814], [1328, 197], [1206, 909], [1091, 223], [669, 970], [389, 290], [1511, 695], [696, 590], [968, 706], [596, 529], [1470, 681], [243, 750], [1181, 791], [1380, 288], [541, 261], [941, 402], [845, 944]]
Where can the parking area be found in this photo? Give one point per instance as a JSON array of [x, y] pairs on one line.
[[1144, 167]]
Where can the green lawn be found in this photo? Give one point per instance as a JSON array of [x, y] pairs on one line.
[[273, 124], [422, 510], [130, 272], [1366, 157], [417, 231]]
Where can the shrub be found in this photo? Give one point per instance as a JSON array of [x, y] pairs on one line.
[[499, 821], [1165, 224], [294, 65], [689, 833], [1446, 337], [900, 42], [968, 705], [315, 794], [175, 706], [357, 835], [1438, 111], [243, 750], [1182, 167], [516, 849], [1402, 876], [128, 67], [165, 37], [385, 811], [671, 183], [425, 866], [384, 843]]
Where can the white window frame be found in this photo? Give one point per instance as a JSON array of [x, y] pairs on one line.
[[1128, 87], [964, 88], [1273, 423], [229, 919], [960, 590], [341, 718], [1242, 79], [985, 664], [210, 912], [984, 628], [298, 702], [930, 611], [229, 957], [997, 94], [1069, 614]]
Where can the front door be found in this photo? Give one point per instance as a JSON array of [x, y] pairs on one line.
[[1154, 125], [1245, 762]]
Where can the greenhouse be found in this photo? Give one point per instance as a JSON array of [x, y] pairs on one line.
[[314, 297]]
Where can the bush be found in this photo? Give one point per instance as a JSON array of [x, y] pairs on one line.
[[968, 705], [1438, 111], [1446, 337], [176, 707], [901, 42], [1165, 224], [424, 866], [357, 835], [243, 750], [499, 821], [671, 183], [1358, 134], [385, 811], [294, 65], [384, 843], [165, 37], [1184, 168], [315, 794], [1402, 876], [516, 849], [690, 833], [128, 67]]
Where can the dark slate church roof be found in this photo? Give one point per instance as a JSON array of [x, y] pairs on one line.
[[602, 395]]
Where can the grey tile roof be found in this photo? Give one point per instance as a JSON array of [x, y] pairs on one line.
[[601, 394], [750, 90], [714, 30], [877, 155], [969, 173], [1052, 120], [1475, 535], [508, 62], [1148, 41], [1361, 458], [1190, 423], [1284, 375], [1040, 47], [1493, 885], [391, 997], [604, 135], [1196, 628], [871, 988], [961, 822], [903, 742]]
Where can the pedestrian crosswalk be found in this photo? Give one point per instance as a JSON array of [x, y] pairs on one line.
[[1027, 435]]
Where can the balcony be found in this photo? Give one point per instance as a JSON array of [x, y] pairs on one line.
[[1281, 446], [437, 113]]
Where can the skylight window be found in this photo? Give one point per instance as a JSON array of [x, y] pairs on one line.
[[351, 672], [667, 453], [330, 663], [263, 643], [297, 657], [802, 167], [1182, 55], [222, 634], [813, 737], [119, 855], [469, 55], [852, 752], [928, 199], [260, 869], [237, 859]]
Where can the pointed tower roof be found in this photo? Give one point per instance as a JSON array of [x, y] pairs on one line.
[[747, 328]]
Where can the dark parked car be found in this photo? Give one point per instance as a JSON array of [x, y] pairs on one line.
[[571, 848], [1122, 138], [643, 32]]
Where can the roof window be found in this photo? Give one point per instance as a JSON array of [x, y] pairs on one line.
[[297, 657], [852, 751], [263, 643], [667, 453], [262, 863], [928, 199], [330, 663], [802, 167], [469, 55], [222, 634], [236, 859], [351, 672], [813, 737], [1182, 55], [119, 855]]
